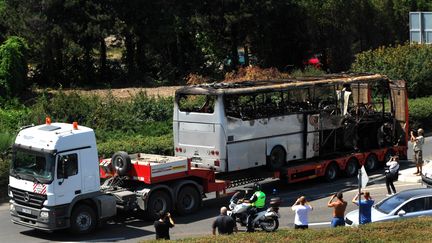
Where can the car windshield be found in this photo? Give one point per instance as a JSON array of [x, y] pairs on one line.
[[31, 165], [387, 205]]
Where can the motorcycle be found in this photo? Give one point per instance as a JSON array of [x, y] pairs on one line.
[[267, 220]]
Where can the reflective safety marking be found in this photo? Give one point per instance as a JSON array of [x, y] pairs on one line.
[[39, 188]]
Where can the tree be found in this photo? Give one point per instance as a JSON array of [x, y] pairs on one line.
[[13, 66]]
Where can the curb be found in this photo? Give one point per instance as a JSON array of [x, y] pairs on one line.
[[407, 175]]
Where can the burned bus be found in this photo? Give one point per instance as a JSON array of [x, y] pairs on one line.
[[274, 123]]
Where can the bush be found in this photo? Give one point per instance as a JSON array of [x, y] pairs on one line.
[[420, 113], [412, 63], [13, 66]]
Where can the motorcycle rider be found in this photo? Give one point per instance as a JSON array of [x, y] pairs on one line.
[[257, 201]]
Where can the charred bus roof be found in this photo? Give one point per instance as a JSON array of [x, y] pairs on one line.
[[281, 84]]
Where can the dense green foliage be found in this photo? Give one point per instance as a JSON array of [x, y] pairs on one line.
[[420, 113], [409, 230], [112, 42], [412, 63], [13, 66]]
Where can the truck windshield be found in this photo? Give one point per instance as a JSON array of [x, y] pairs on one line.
[[31, 165]]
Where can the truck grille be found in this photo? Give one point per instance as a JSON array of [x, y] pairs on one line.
[[29, 199]]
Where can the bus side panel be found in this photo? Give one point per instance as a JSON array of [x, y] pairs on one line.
[[247, 154]]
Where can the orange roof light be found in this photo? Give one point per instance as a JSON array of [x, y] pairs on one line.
[[75, 125], [48, 120]]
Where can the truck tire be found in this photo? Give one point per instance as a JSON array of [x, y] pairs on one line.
[[351, 168], [188, 200], [121, 163], [159, 201], [371, 162], [276, 159], [332, 172], [83, 220]]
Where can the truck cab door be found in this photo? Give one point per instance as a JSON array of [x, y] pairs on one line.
[[68, 178]]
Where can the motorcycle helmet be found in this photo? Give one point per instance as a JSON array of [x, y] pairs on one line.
[[257, 187]]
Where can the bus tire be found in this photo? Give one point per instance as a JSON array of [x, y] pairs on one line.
[[371, 162], [351, 168], [332, 172], [121, 163], [83, 220], [276, 159], [159, 201], [188, 200]]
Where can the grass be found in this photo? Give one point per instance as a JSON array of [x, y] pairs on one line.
[[411, 230]]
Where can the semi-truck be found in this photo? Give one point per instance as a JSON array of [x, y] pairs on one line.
[[225, 135]]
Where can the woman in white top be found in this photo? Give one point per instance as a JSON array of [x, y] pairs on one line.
[[301, 207], [392, 174]]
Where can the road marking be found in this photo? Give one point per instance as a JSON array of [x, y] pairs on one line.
[[320, 223]]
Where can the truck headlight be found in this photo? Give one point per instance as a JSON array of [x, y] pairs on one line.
[[12, 207], [44, 215]]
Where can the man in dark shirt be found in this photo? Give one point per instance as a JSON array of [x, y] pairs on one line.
[[162, 226], [224, 223]]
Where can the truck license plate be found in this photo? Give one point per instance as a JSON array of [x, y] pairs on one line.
[[25, 210]]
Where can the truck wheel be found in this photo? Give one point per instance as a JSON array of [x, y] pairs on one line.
[[371, 162], [276, 159], [188, 200], [351, 168], [331, 172], [83, 220], [121, 162], [158, 201]]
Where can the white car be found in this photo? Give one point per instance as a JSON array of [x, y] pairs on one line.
[[406, 204]]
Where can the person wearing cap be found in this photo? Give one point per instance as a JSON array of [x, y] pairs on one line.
[[418, 142], [339, 207], [365, 206]]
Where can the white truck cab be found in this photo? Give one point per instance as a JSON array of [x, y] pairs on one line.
[[54, 179]]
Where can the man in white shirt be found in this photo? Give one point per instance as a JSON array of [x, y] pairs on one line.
[[301, 207], [418, 146]]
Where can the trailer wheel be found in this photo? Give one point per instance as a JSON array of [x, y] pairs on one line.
[[121, 162], [276, 159], [188, 200], [371, 162], [83, 220], [351, 168], [159, 201], [331, 172]]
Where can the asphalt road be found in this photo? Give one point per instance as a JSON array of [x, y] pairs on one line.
[[129, 229]]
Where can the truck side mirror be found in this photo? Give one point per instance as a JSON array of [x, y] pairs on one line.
[[61, 171]]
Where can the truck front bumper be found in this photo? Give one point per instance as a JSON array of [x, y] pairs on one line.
[[46, 219]]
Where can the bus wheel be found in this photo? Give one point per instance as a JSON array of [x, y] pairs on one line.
[[159, 201], [331, 172], [351, 168], [188, 200], [371, 162], [276, 159]]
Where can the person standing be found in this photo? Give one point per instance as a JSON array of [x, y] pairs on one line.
[[418, 142], [224, 223], [391, 174], [339, 207], [301, 207], [365, 206], [163, 225]]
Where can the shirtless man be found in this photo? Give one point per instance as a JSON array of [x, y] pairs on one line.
[[339, 207]]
